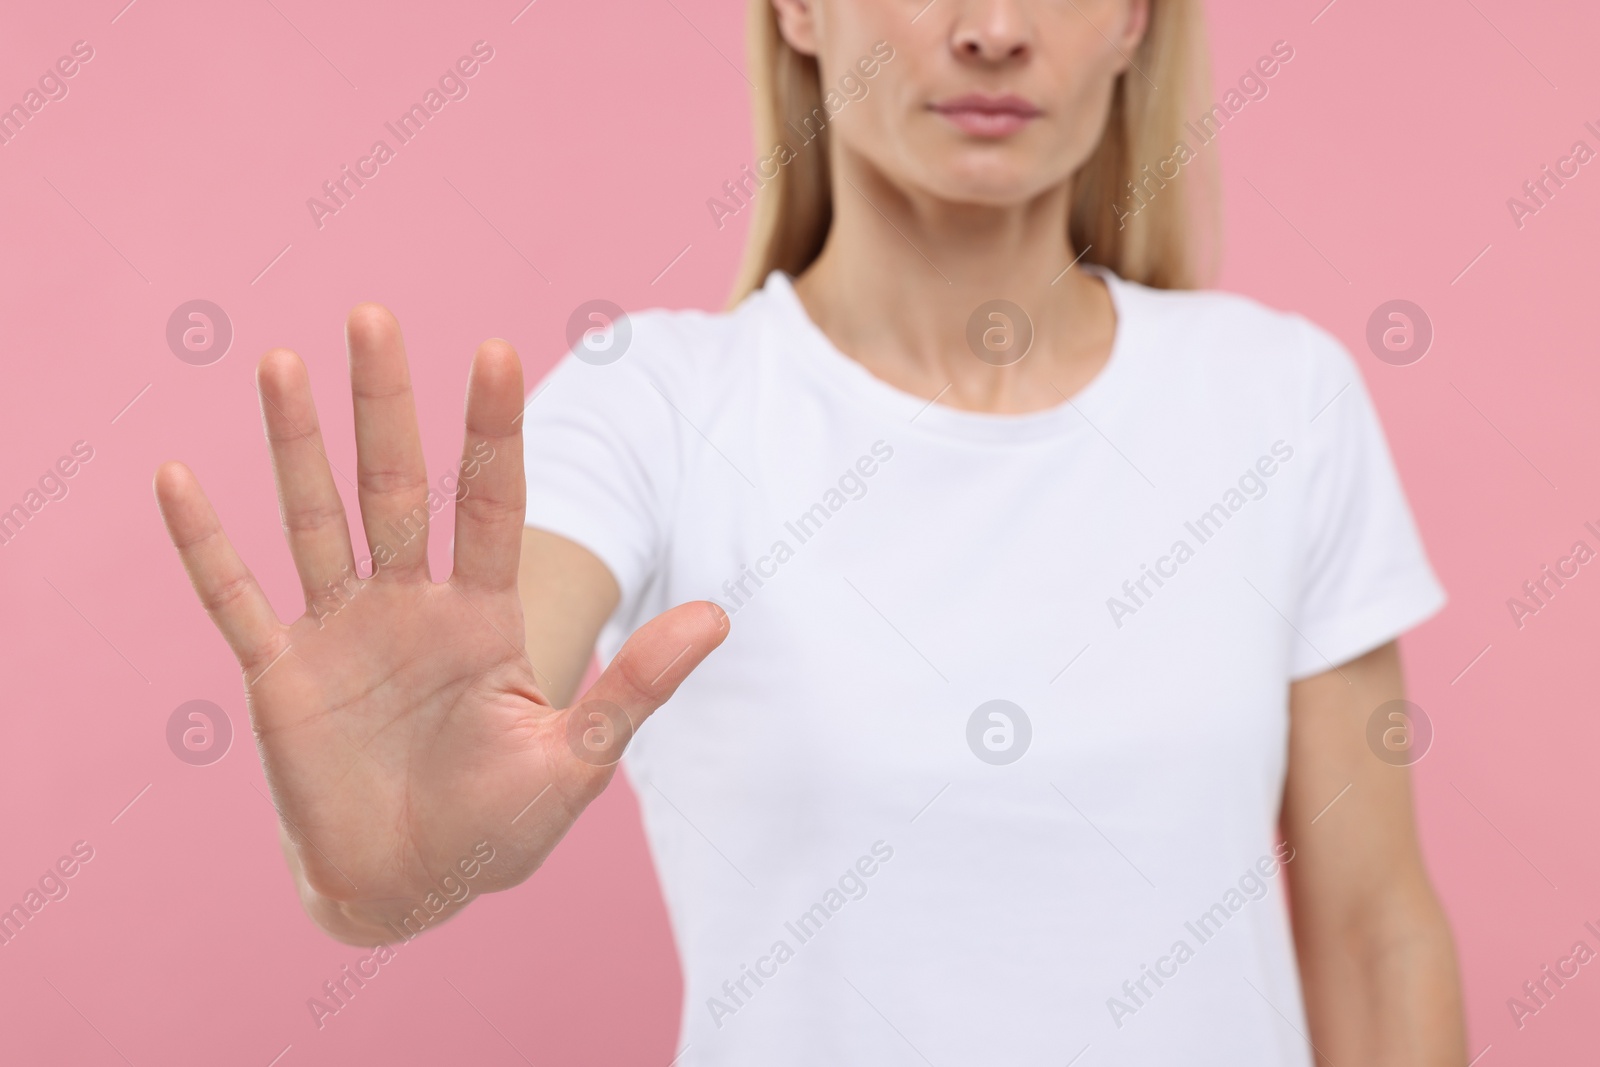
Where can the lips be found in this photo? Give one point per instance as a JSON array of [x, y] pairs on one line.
[[980, 115]]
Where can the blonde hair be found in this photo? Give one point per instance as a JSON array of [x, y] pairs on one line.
[[1169, 243]]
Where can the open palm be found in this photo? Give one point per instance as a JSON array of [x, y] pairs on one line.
[[400, 721]]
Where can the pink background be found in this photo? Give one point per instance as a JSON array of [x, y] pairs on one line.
[[178, 168]]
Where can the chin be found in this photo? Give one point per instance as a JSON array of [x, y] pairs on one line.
[[998, 172], [986, 181]]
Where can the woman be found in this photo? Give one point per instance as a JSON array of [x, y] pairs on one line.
[[1064, 596]]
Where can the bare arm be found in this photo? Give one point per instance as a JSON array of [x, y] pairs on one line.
[[1377, 961], [567, 595]]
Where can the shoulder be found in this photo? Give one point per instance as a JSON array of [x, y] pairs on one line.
[[639, 366], [1234, 341], [683, 346]]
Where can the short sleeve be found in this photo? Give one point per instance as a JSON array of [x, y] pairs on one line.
[[1364, 576], [601, 455]]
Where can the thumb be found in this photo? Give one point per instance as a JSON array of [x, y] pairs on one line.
[[642, 677]]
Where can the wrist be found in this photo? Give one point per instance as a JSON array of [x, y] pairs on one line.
[[369, 921]]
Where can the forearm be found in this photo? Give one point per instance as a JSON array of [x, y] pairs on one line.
[[1377, 962], [1382, 988]]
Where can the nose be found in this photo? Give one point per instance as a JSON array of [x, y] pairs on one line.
[[990, 32]]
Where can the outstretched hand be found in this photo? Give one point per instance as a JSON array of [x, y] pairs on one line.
[[400, 720]]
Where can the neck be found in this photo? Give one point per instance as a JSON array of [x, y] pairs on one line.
[[902, 273]]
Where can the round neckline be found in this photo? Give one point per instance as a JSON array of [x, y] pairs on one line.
[[819, 353]]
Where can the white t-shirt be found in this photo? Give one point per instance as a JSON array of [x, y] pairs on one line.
[[867, 862]]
